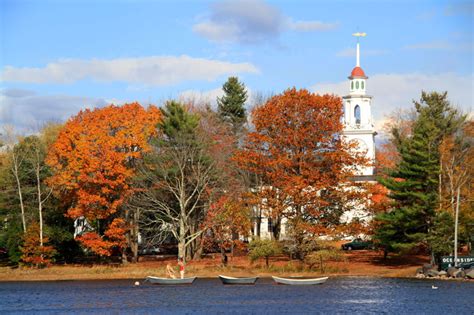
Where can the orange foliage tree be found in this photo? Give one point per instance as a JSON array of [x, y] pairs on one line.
[[225, 218], [34, 251], [93, 161], [298, 150]]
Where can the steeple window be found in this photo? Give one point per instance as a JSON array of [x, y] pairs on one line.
[[362, 85], [357, 85], [357, 114]]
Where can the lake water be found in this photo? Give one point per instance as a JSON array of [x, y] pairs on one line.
[[208, 296]]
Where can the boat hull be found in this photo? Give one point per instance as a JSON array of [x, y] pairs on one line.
[[170, 281], [290, 281], [239, 281]]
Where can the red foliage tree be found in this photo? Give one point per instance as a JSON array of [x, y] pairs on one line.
[[225, 218], [93, 161], [298, 150]]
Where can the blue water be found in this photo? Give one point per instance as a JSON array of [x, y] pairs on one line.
[[357, 295]]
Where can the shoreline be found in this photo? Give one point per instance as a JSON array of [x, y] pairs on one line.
[[354, 264], [360, 264], [207, 277]]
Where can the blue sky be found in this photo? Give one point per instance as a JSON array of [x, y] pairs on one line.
[[57, 57]]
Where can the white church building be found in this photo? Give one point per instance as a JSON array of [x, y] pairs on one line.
[[359, 127]]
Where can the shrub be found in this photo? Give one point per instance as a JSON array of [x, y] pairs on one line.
[[320, 256], [263, 249]]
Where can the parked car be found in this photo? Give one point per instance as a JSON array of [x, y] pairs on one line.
[[357, 243], [467, 265], [151, 250]]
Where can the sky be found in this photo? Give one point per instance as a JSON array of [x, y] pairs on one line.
[[58, 57]]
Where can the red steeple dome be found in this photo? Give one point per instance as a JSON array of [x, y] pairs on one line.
[[357, 72]]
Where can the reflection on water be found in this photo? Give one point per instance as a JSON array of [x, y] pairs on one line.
[[338, 295]]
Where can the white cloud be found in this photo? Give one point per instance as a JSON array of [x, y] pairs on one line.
[[150, 71], [397, 91], [251, 22], [27, 111], [201, 97], [311, 26]]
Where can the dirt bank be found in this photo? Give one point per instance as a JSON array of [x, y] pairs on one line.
[[356, 263]]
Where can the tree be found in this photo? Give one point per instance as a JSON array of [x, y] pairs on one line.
[[414, 184], [230, 107], [16, 159], [457, 156], [298, 151], [93, 161], [441, 238], [263, 249], [35, 251], [225, 218], [27, 174], [175, 179]]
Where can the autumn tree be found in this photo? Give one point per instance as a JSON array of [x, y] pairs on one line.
[[93, 161], [228, 198], [230, 107], [36, 252], [226, 217], [298, 150], [175, 180], [457, 158]]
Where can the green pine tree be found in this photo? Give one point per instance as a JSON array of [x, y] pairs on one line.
[[230, 107], [414, 183], [178, 123]]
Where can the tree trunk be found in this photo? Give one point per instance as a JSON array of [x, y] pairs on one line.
[[223, 257], [40, 202], [440, 177], [266, 261], [198, 253], [321, 262], [182, 240], [127, 237], [456, 221], [181, 248], [276, 228], [134, 236], [20, 195]]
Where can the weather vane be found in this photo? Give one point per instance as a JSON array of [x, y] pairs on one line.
[[358, 35]]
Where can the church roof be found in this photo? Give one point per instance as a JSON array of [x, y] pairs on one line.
[[357, 72]]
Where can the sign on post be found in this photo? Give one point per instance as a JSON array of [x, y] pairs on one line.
[[448, 261]]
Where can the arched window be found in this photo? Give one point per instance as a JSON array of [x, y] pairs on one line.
[[352, 85], [362, 85], [357, 85], [357, 114]]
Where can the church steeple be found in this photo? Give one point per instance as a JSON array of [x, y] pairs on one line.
[[358, 77], [357, 112]]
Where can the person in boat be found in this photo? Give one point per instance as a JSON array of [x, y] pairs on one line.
[[181, 267], [170, 271]]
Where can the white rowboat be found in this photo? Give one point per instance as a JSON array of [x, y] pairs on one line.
[[233, 280], [158, 280], [295, 281]]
